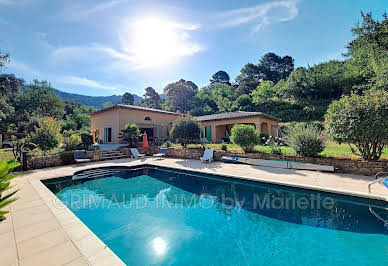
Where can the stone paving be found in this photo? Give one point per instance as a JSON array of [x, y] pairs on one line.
[[39, 230]]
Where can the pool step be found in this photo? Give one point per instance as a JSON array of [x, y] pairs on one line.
[[113, 154]]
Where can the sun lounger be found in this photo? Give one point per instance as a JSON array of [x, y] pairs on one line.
[[135, 154], [161, 153], [79, 157], [227, 159], [207, 156], [381, 178]]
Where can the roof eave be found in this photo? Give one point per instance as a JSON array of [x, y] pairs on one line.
[[118, 106], [242, 117]]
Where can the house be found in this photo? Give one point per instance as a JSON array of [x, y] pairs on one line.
[[106, 124], [217, 127]]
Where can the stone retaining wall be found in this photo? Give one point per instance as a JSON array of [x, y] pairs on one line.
[[341, 165], [56, 160], [151, 150]]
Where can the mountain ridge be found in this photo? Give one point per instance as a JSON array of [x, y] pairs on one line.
[[93, 101]]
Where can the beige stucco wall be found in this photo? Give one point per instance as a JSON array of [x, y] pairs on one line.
[[218, 128], [117, 118]]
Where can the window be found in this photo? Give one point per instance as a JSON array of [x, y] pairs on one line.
[[147, 118]]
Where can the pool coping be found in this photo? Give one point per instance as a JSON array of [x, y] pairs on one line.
[[91, 247], [88, 244], [344, 192]]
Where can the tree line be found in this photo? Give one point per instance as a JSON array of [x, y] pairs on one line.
[[273, 85], [22, 106]]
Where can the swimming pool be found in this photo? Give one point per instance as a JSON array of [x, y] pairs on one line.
[[156, 215]]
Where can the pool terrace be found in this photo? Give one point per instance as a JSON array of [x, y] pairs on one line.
[[40, 230]]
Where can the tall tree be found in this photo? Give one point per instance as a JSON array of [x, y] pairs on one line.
[[10, 84], [204, 103], [248, 73], [128, 98], [221, 77], [180, 95], [264, 92], [152, 98], [274, 67], [37, 100], [224, 96], [368, 53], [4, 59]]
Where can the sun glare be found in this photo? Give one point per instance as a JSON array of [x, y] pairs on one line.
[[159, 245], [156, 42]]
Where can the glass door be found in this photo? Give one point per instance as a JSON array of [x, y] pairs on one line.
[[107, 135]]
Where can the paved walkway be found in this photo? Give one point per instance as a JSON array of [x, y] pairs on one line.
[[41, 231]]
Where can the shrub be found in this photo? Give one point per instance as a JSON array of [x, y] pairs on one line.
[[245, 136], [5, 179], [47, 134], [168, 144], [72, 142], [130, 134], [362, 122], [263, 138], [276, 151], [86, 137], [224, 147], [306, 140], [67, 157], [285, 127], [185, 131]]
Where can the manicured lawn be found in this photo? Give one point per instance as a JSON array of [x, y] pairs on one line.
[[332, 149]]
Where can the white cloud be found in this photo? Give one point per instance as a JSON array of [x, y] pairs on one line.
[[26, 71], [141, 44], [23, 69], [74, 13], [85, 82], [259, 16], [99, 57]]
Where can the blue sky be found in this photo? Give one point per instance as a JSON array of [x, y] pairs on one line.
[[96, 47]]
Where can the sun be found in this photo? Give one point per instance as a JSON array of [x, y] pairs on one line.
[[156, 42]]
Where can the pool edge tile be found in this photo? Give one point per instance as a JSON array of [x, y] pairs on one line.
[[65, 217]]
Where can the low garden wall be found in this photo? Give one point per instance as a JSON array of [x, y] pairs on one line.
[[341, 165], [65, 158], [151, 150]]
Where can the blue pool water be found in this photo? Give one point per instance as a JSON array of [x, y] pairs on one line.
[[169, 217]]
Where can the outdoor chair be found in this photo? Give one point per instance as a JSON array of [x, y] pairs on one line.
[[136, 154], [207, 156], [79, 157]]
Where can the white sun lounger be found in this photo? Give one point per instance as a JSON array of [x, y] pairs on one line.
[[207, 156], [161, 153], [136, 154]]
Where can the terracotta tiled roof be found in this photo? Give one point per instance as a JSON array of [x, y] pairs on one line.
[[134, 107], [234, 115]]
